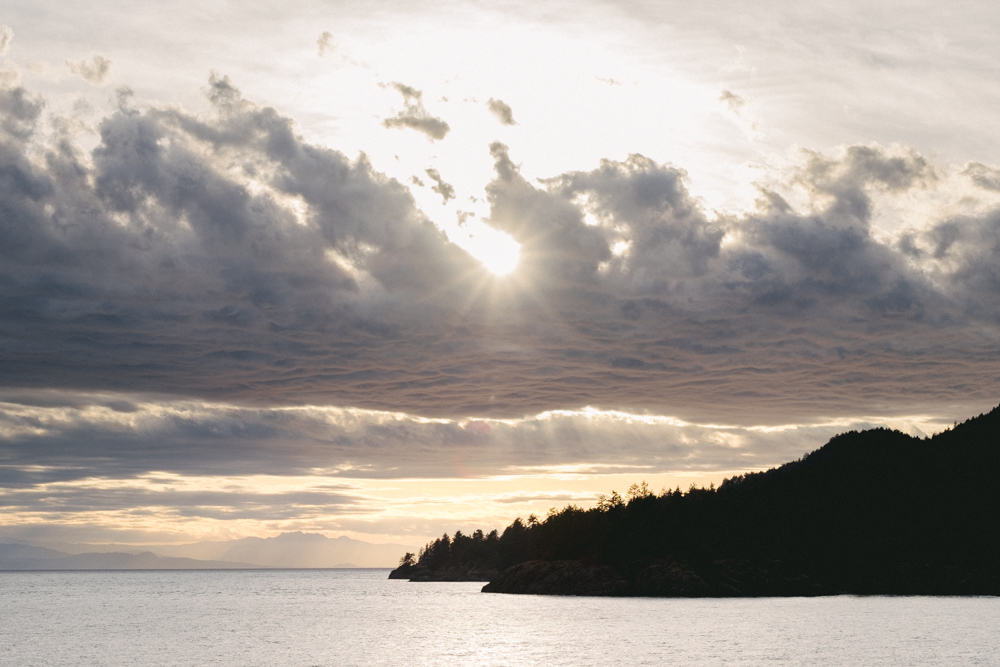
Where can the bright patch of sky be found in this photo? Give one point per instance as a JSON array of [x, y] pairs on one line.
[[755, 105]]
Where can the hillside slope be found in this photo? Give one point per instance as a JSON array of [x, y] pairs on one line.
[[872, 512]]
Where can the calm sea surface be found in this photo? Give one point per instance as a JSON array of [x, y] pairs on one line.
[[358, 617]]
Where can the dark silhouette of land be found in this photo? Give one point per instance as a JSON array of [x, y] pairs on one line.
[[872, 513]]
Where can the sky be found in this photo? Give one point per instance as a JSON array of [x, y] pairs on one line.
[[387, 269]]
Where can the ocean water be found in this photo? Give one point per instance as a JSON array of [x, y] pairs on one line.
[[358, 617]]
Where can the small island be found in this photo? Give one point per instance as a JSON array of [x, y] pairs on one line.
[[876, 512]]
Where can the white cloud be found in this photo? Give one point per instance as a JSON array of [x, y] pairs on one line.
[[324, 43], [94, 71], [6, 37]]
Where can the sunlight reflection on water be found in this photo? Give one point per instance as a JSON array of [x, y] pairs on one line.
[[357, 617]]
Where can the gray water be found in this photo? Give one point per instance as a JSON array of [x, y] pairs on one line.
[[358, 617]]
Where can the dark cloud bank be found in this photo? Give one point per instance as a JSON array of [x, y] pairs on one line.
[[176, 260]]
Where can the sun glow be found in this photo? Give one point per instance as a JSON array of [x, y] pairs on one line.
[[497, 251]]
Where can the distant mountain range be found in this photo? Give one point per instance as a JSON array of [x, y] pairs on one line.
[[288, 550], [27, 557]]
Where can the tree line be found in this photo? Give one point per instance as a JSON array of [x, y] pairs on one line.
[[869, 512]]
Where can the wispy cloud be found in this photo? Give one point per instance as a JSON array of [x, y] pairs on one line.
[[415, 117], [444, 189], [324, 43], [733, 101], [502, 111], [52, 437], [94, 71], [6, 38]]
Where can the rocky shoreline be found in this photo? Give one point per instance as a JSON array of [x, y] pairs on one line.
[[417, 573], [676, 579], [664, 578]]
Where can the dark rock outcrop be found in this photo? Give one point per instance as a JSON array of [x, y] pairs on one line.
[[417, 573], [663, 578], [404, 571], [558, 578], [670, 579]]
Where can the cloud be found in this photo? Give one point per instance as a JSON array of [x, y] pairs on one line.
[[66, 500], [415, 116], [444, 189], [737, 107], [6, 38], [502, 111], [69, 437], [224, 258], [558, 499], [95, 71], [19, 113], [120, 463], [9, 78], [324, 42], [733, 101], [985, 177]]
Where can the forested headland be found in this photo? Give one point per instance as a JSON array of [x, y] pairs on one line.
[[871, 512]]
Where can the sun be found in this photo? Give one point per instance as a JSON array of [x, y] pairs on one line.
[[468, 228], [497, 251]]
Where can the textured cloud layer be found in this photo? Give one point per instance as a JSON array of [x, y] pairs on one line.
[[224, 258], [90, 466], [50, 437]]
